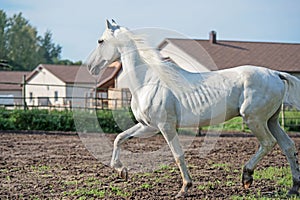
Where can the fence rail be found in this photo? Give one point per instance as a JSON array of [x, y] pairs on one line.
[[90, 97], [102, 99]]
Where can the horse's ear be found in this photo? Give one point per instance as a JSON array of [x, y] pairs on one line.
[[108, 25], [114, 22]]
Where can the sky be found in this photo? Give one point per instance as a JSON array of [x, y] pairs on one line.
[[77, 25]]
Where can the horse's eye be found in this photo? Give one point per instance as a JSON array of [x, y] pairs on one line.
[[100, 41]]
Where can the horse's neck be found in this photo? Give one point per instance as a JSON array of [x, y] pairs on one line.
[[134, 68]]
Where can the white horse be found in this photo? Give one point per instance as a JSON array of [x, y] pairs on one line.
[[164, 96]]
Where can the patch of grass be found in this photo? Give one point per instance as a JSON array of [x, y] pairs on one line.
[[86, 192], [41, 168], [75, 182], [223, 166], [258, 196], [202, 187], [209, 185], [91, 181], [235, 124], [230, 183], [163, 168], [146, 186], [282, 175], [117, 191]]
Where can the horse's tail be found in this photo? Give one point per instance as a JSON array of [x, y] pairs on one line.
[[293, 89]]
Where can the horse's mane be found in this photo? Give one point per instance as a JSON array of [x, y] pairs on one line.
[[169, 73]]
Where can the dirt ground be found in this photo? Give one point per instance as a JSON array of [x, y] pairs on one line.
[[58, 166]]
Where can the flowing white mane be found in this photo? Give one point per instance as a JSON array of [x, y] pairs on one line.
[[168, 72]]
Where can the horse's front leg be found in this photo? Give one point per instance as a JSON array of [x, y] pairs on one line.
[[172, 139], [139, 130]]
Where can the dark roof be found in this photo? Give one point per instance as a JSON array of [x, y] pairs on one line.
[[109, 74], [228, 54], [66, 73], [78, 74], [13, 80]]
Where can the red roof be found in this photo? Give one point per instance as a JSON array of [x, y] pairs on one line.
[[228, 54], [13, 80], [66, 73], [109, 74], [79, 74]]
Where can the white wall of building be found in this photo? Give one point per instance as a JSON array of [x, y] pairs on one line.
[[49, 86]]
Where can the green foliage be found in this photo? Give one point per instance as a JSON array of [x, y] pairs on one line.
[[291, 120], [48, 51], [235, 124], [21, 48], [292, 123], [102, 121], [107, 121], [36, 120], [21, 43], [282, 175]]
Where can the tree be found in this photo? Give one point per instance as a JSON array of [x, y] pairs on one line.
[[22, 43], [21, 48], [3, 25], [49, 52]]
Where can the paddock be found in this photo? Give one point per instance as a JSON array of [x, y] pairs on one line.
[[38, 165]]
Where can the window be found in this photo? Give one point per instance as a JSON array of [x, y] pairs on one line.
[[55, 96], [30, 96]]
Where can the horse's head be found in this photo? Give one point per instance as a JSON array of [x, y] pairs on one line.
[[106, 51]]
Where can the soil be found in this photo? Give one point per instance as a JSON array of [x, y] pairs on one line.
[[58, 166]]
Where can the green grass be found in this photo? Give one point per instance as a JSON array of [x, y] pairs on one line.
[[280, 175], [87, 192], [235, 124], [146, 186], [223, 166]]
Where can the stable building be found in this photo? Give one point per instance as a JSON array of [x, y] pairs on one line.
[[11, 87], [58, 85], [213, 54]]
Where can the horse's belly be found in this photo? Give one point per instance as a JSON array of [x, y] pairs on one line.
[[210, 114]]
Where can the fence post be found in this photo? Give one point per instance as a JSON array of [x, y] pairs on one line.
[[282, 117], [24, 93], [96, 106]]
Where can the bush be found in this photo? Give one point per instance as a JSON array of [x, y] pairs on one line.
[[36, 120], [103, 120], [107, 121]]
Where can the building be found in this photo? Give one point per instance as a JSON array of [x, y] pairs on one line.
[[111, 89], [73, 86], [58, 85], [213, 54], [11, 87]]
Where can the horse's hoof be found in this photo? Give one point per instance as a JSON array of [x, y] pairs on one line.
[[247, 182], [124, 173], [247, 185], [247, 179]]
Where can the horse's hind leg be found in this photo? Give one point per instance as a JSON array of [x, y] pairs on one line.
[[288, 147], [259, 128]]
